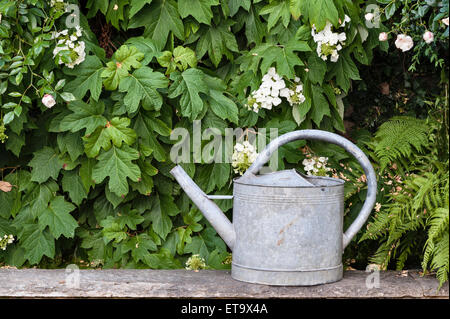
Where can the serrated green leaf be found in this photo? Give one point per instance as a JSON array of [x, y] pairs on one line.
[[159, 19], [199, 9], [214, 176], [130, 218], [321, 11], [118, 166], [112, 230], [115, 12], [161, 222], [146, 126], [282, 56], [58, 219], [277, 10], [197, 246], [45, 164], [37, 243], [71, 143], [15, 142], [87, 78], [115, 132], [320, 106], [141, 86], [140, 247], [87, 164], [217, 41], [184, 57], [234, 5], [255, 29], [145, 185], [95, 5], [72, 184], [84, 116], [136, 5], [221, 105], [345, 70], [188, 85], [317, 69], [147, 46], [123, 60]]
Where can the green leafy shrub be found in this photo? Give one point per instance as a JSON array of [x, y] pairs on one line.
[[87, 114], [87, 134]]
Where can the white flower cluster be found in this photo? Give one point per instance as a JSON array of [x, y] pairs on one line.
[[7, 239], [58, 4], [294, 94], [272, 89], [329, 43], [243, 156], [68, 49], [268, 93], [316, 165], [195, 262]]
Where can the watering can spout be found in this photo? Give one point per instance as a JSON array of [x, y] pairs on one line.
[[210, 210]]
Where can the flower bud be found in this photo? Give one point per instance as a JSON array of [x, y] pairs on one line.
[[48, 100], [428, 37], [383, 36]]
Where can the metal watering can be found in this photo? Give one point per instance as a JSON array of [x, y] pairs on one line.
[[287, 227]]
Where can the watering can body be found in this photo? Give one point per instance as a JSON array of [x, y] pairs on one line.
[[287, 227]]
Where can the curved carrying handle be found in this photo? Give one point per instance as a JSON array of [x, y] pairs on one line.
[[265, 155]]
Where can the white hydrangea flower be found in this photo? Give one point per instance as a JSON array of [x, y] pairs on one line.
[[57, 3], [243, 156], [294, 94], [5, 241], [268, 94], [195, 262], [329, 43], [316, 165], [69, 42]]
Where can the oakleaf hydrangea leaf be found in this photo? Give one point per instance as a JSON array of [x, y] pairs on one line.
[[188, 85], [87, 78], [217, 41], [117, 164], [136, 5], [37, 243], [199, 9], [159, 19], [115, 131], [181, 59], [45, 164], [84, 116], [141, 86], [140, 246], [72, 183], [123, 60], [58, 219], [147, 46], [112, 230]]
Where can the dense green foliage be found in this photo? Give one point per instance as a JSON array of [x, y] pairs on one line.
[[90, 174]]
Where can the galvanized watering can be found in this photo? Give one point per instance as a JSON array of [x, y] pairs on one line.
[[287, 227]]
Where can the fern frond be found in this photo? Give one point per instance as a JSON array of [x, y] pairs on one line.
[[398, 137]]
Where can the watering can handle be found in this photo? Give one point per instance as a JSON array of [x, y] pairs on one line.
[[265, 155]]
